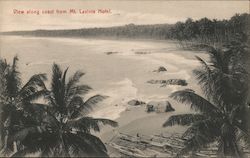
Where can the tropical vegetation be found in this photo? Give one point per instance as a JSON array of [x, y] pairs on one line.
[[16, 101], [200, 31], [59, 125], [222, 112]]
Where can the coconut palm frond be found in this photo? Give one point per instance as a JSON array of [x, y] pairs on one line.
[[217, 79], [3, 65], [75, 102], [35, 112], [209, 80], [64, 77], [195, 143], [215, 83], [197, 102], [23, 152], [106, 122], [57, 72], [78, 90], [95, 143], [74, 146], [209, 125], [35, 80], [91, 102], [13, 80], [229, 146], [246, 138], [183, 119], [205, 80], [36, 95], [244, 123], [14, 63], [86, 123], [203, 63], [216, 58], [22, 134], [204, 76], [86, 145], [73, 106], [74, 80], [56, 85], [200, 134]]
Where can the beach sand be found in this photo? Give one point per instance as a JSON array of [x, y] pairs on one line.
[[137, 121]]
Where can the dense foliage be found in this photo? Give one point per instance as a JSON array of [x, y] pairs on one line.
[[207, 30], [223, 112], [59, 126], [203, 30]]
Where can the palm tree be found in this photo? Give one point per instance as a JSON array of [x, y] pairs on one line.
[[222, 114], [16, 101], [66, 128]]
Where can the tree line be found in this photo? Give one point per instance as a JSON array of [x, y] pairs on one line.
[[203, 30], [210, 31]]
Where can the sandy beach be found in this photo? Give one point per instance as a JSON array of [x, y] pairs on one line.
[[122, 75]]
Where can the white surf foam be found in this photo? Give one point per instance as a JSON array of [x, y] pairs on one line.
[[120, 93]]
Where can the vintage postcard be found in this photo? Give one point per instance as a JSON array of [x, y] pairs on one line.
[[124, 78]]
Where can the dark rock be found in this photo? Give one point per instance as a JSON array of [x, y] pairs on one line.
[[169, 82], [142, 52], [177, 82], [161, 106], [109, 53], [169, 107], [135, 102], [161, 69], [150, 107], [154, 81]]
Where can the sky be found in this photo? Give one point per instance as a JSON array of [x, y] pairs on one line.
[[120, 12]]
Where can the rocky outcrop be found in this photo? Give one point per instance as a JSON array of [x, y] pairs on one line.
[[180, 82], [135, 102], [160, 69], [150, 107], [161, 106], [110, 53], [169, 107], [142, 52]]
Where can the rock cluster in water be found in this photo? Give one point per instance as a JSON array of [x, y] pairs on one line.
[[180, 82], [153, 106], [135, 102], [110, 53], [161, 106], [160, 69]]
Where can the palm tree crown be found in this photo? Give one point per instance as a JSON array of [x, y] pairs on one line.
[[65, 127], [224, 115], [16, 101]]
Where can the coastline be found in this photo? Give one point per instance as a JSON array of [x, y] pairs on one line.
[[127, 79]]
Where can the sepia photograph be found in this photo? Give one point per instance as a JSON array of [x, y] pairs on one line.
[[125, 78]]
